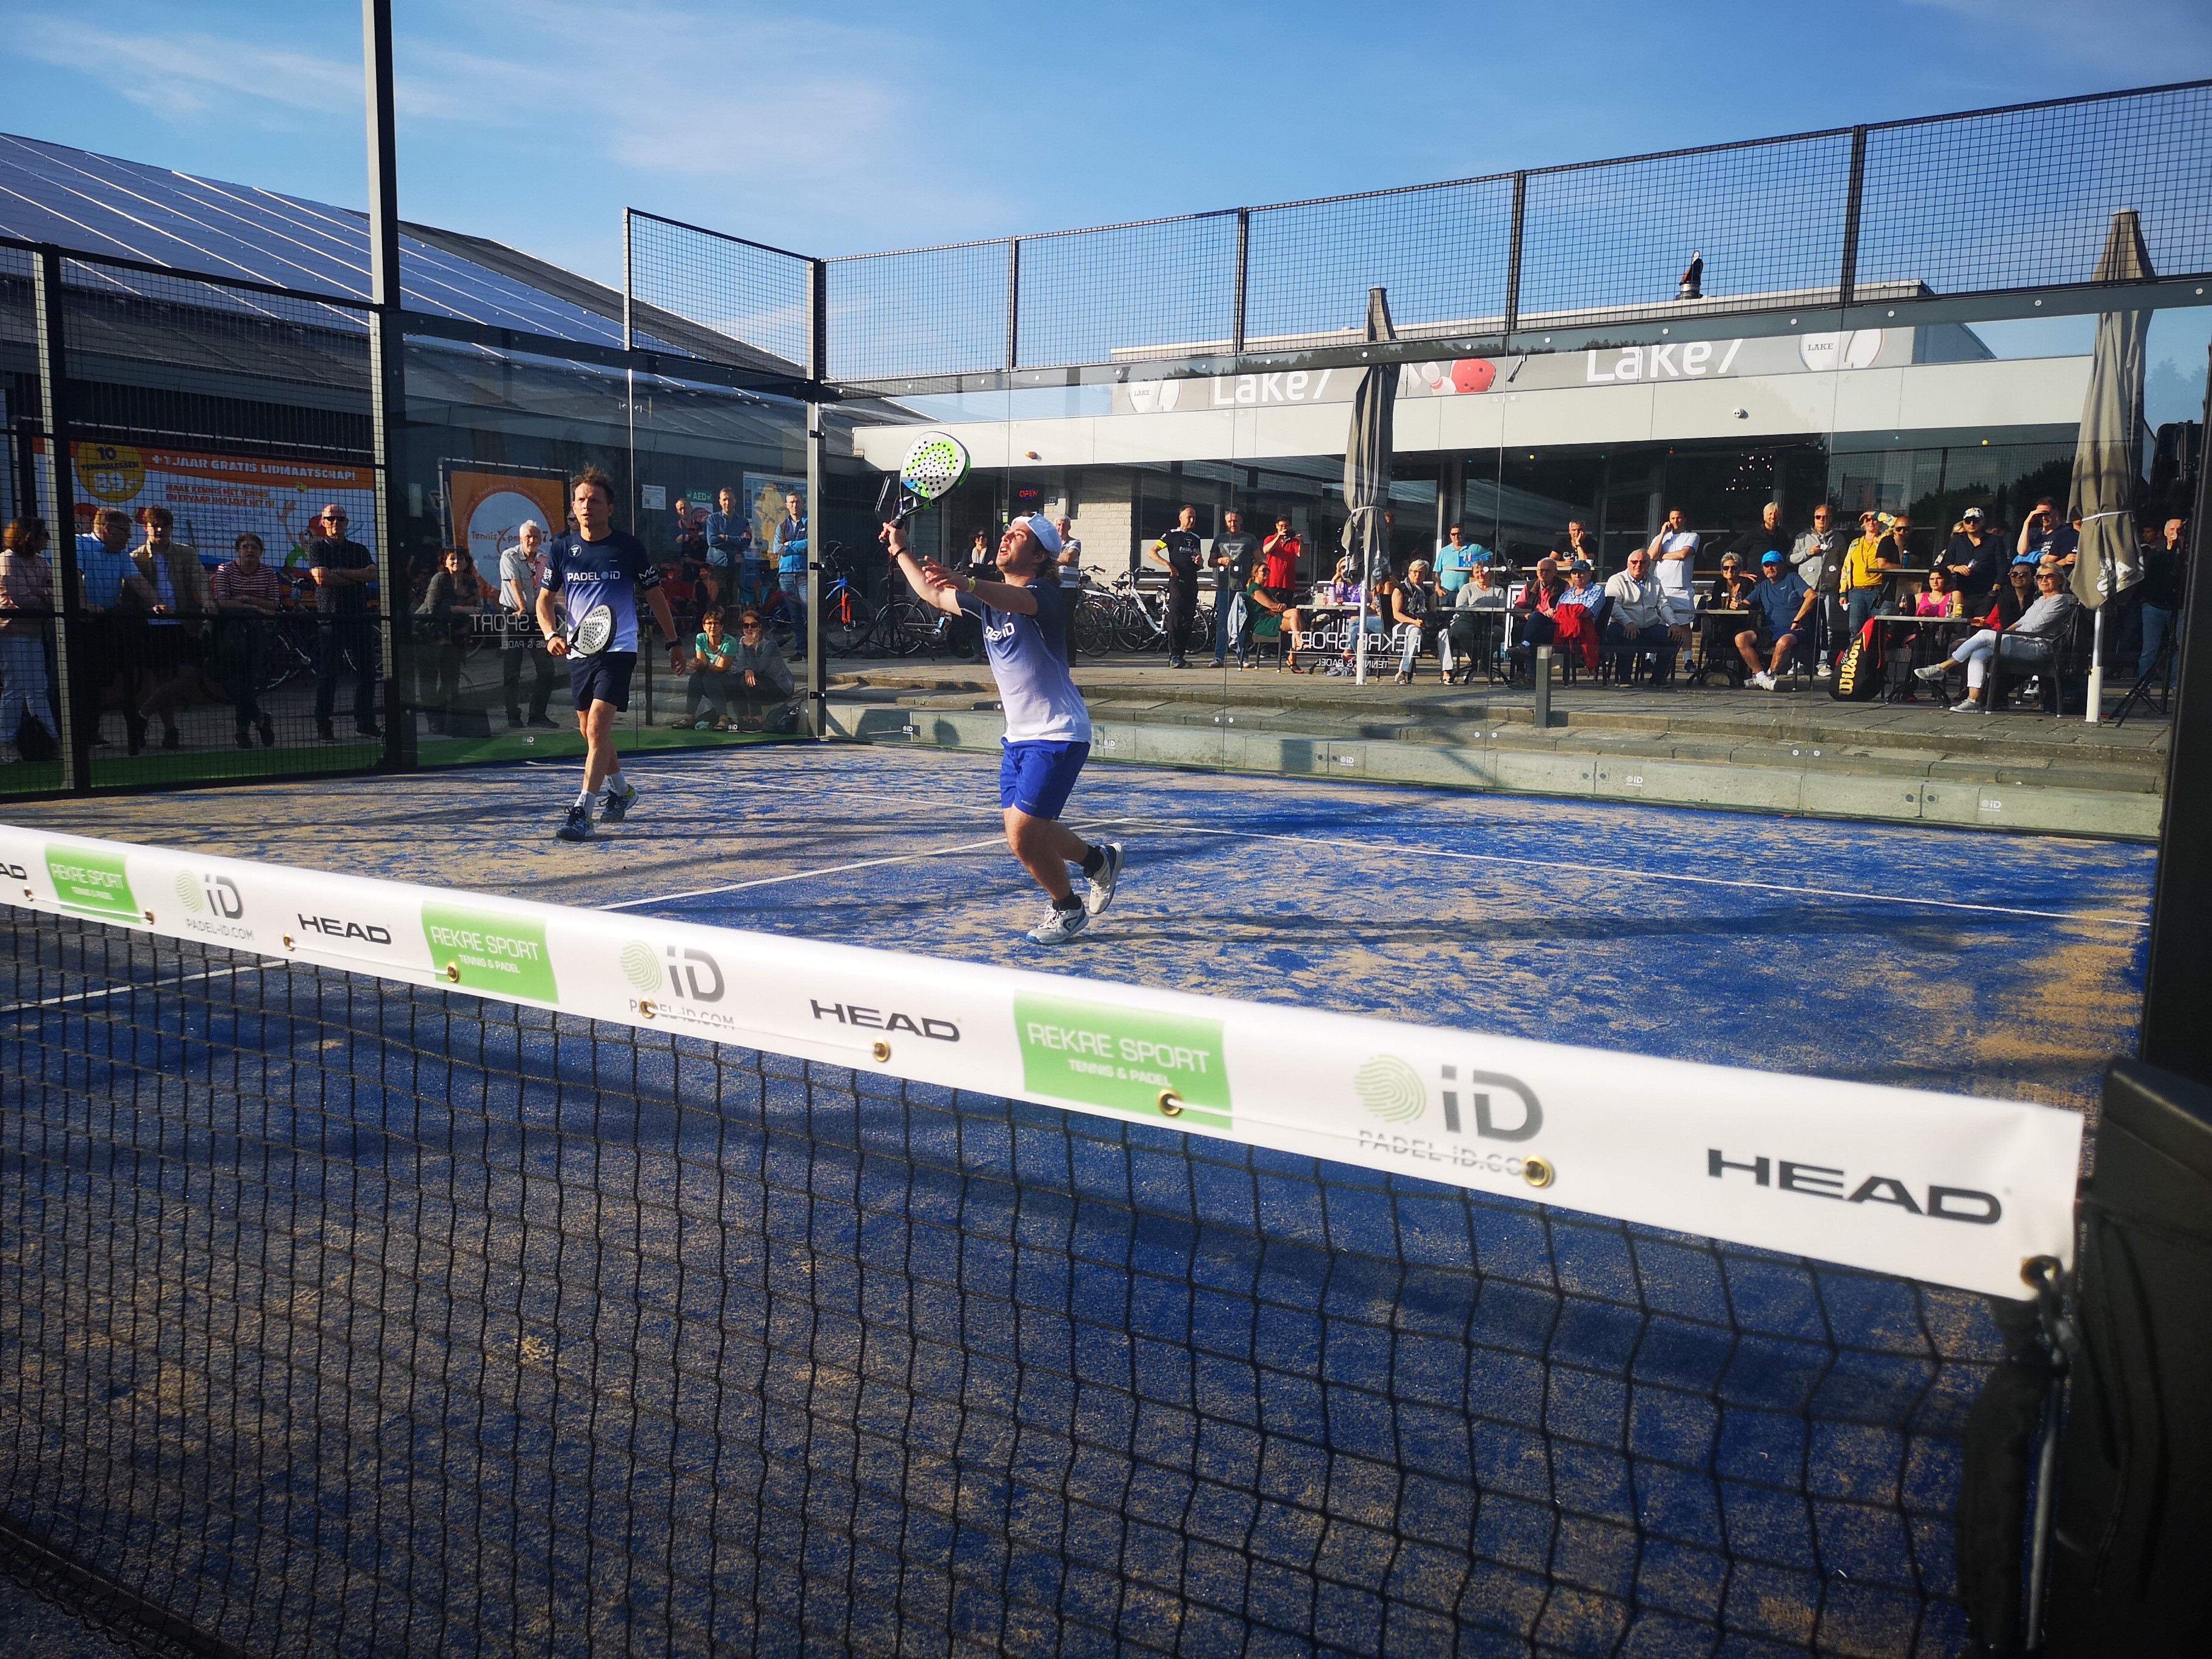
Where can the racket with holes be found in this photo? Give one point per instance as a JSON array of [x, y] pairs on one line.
[[934, 465], [592, 633]]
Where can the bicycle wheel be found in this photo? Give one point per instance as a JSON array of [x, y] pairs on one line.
[[846, 619], [1094, 627], [1201, 631], [1135, 630], [909, 626]]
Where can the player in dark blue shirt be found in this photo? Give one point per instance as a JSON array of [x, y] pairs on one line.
[[596, 566]]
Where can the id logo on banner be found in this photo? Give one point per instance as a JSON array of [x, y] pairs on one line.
[[483, 950], [1122, 1058]]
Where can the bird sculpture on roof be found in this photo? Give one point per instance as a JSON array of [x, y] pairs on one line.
[[1694, 279]]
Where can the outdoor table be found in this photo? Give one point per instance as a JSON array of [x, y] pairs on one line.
[[1703, 670], [1898, 675]]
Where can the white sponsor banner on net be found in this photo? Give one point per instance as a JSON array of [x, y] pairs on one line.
[[1951, 1189]]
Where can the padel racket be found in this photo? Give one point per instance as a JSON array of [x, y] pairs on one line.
[[934, 465], [591, 632]]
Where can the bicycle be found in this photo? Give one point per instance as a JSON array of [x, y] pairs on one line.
[[1140, 611]]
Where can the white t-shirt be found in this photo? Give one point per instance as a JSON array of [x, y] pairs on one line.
[[1673, 574], [1029, 660], [1070, 554]]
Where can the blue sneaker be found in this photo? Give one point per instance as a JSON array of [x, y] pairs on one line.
[[615, 808], [577, 826]]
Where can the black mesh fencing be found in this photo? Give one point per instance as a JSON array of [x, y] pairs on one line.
[[1443, 252], [718, 297], [929, 311], [349, 1318], [1990, 202], [1163, 289]]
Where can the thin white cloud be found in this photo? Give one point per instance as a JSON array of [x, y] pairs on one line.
[[2115, 35], [190, 73]]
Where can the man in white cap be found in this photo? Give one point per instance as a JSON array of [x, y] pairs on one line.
[[1047, 728]]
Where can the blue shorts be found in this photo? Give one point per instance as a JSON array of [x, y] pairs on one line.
[[1036, 778], [603, 678]]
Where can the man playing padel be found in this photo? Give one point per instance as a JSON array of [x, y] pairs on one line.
[[1047, 728]]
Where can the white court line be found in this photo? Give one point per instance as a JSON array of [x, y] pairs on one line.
[[1399, 850], [804, 875], [124, 990]]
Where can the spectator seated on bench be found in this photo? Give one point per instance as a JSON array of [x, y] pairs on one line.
[[1579, 620], [1637, 622], [2028, 647]]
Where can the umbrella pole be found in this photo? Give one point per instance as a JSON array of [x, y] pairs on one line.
[[1360, 641], [2092, 710]]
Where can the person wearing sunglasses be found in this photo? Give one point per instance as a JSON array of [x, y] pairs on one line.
[[342, 570], [2030, 643]]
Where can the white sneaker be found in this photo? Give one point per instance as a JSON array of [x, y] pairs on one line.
[[1764, 682], [1965, 706], [1822, 672], [1060, 925], [1933, 674], [1102, 884]]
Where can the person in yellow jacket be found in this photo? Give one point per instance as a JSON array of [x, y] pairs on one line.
[[1862, 578]]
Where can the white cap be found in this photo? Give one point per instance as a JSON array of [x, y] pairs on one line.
[[1041, 528]]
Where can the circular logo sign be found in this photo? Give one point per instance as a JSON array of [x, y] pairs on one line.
[[110, 472]]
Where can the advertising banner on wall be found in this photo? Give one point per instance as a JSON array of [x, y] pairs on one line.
[[486, 504], [216, 498], [1954, 1189], [765, 493]]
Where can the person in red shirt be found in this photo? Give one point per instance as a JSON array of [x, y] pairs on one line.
[[1281, 552]]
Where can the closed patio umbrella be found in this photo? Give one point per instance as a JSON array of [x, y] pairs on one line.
[[1367, 468], [2108, 453]]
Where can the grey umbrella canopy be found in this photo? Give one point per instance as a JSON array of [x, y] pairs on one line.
[[2108, 454], [1367, 451]]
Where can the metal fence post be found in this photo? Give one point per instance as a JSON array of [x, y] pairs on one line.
[[1847, 280], [387, 386], [1244, 266], [817, 713], [60, 470], [630, 366], [1513, 258], [1013, 307]]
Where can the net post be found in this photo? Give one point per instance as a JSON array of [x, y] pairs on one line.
[[1847, 275], [818, 721], [1543, 686], [1244, 267], [1513, 258], [1013, 301], [2177, 975], [387, 384], [59, 467]]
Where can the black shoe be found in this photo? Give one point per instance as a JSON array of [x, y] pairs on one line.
[[515, 720], [369, 730], [172, 739], [322, 730], [133, 727], [245, 736], [268, 730], [543, 723]]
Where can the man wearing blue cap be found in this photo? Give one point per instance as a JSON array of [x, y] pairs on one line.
[[1047, 728], [1781, 601]]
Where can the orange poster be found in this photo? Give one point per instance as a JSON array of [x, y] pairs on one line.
[[484, 510], [217, 498]]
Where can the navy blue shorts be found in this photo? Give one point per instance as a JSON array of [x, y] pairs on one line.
[[603, 678], [1036, 777]]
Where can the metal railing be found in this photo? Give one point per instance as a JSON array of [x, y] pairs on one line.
[[1810, 221]]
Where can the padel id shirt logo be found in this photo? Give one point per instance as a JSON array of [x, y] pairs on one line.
[[1122, 1058], [92, 881], [504, 954]]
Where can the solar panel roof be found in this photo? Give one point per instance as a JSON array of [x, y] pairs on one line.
[[93, 203]]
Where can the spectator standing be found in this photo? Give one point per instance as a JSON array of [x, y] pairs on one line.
[[1282, 551], [1070, 566], [1784, 605], [342, 570], [1181, 551], [519, 567], [1455, 558], [103, 565], [246, 596], [1236, 551], [27, 605], [174, 586], [1974, 559], [1818, 558], [791, 555], [443, 619], [2166, 567], [729, 546], [1894, 552], [1673, 558], [1769, 538], [1580, 545], [1862, 580], [1639, 621]]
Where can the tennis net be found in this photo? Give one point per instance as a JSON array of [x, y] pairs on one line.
[[364, 1296]]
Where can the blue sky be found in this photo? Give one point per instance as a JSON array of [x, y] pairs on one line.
[[871, 125]]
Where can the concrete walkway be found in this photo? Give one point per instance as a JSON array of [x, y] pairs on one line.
[[1791, 752]]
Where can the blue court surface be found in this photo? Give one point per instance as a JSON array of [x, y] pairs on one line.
[[1947, 959]]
